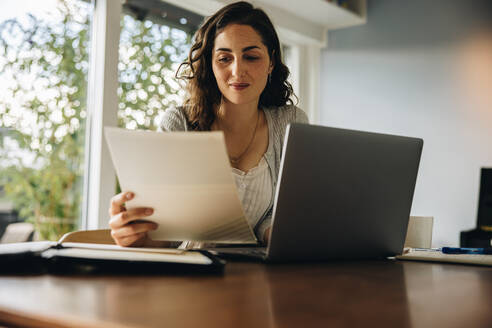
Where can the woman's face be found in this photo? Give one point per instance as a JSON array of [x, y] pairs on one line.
[[241, 64]]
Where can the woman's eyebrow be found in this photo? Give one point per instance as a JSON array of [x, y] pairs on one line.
[[244, 49]]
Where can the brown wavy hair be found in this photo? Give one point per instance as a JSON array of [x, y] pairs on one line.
[[203, 94]]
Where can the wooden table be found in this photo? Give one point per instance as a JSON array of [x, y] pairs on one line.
[[335, 294]]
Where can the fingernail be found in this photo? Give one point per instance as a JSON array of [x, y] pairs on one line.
[[129, 195], [149, 211]]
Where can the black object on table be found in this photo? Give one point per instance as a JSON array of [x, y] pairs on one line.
[[481, 236]]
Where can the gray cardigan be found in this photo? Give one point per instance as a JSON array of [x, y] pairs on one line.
[[174, 119]]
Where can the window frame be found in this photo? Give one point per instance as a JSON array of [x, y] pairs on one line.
[[102, 107]]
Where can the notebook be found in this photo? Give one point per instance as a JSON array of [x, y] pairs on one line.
[[341, 194], [436, 256], [70, 257]]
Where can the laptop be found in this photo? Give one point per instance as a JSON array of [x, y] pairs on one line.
[[341, 194]]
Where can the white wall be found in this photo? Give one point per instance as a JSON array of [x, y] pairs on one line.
[[421, 68]]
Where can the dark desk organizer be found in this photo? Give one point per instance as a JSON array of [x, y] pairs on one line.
[[481, 236]]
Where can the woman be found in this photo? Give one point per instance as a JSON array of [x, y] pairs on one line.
[[236, 83]]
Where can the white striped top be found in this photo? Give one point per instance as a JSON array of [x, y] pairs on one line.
[[255, 190]]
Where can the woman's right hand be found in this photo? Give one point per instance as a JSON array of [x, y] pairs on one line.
[[127, 227]]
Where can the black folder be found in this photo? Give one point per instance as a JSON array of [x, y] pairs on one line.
[[80, 258]]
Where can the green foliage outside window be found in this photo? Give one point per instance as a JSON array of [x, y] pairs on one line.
[[43, 109], [149, 56]]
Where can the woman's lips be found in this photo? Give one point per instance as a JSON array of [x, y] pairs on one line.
[[239, 86]]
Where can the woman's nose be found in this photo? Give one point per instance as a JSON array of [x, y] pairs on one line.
[[238, 68]]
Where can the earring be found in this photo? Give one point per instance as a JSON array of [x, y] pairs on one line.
[[270, 78]]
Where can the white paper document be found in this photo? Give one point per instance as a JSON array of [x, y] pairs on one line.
[[186, 178]]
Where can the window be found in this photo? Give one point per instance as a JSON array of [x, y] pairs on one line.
[[44, 48], [155, 38]]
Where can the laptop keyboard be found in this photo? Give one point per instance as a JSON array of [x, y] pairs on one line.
[[255, 252]]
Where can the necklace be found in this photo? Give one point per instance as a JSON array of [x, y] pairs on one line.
[[235, 160]]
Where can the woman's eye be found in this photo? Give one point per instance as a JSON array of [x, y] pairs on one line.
[[252, 58], [223, 59]]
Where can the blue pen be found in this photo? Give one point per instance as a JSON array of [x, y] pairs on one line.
[[462, 250]]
